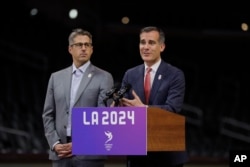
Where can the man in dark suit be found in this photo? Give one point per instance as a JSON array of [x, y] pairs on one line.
[[80, 85], [166, 90]]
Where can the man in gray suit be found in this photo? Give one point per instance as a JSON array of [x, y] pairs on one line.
[[80, 85]]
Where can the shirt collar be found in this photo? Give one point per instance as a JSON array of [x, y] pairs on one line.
[[155, 66], [82, 68]]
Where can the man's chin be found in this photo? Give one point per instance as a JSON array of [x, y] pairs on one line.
[[146, 58]]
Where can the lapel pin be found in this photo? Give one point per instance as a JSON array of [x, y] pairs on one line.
[[89, 76], [159, 77]]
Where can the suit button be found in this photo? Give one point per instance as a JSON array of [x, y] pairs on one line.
[[65, 127]]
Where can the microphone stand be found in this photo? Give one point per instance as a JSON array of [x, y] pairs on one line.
[[116, 103], [105, 101], [116, 99]]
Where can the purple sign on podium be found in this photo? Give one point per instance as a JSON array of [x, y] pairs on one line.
[[109, 131]]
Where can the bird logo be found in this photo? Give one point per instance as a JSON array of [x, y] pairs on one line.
[[109, 136]]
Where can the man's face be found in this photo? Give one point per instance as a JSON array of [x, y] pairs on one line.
[[150, 47], [81, 50]]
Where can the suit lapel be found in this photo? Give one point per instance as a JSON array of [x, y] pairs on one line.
[[139, 88], [87, 76], [159, 77]]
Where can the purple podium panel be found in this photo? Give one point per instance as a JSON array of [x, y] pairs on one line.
[[109, 131]]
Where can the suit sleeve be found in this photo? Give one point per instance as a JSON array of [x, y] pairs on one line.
[[176, 92], [49, 115], [106, 84]]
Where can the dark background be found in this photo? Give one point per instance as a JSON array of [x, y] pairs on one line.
[[203, 39]]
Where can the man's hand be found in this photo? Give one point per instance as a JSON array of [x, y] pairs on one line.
[[134, 102], [63, 150]]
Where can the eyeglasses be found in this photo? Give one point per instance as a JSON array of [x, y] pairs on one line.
[[80, 44]]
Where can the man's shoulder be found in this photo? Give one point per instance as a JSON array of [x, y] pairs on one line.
[[66, 69], [170, 67], [100, 73], [135, 68], [99, 69]]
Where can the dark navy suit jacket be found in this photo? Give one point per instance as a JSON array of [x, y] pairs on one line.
[[167, 92]]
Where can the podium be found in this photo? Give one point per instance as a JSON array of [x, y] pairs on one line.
[[126, 130], [165, 130]]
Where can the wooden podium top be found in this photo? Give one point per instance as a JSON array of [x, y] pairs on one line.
[[165, 130]]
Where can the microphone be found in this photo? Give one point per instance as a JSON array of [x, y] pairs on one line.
[[109, 94], [121, 92]]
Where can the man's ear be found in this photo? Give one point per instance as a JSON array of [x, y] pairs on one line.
[[163, 46], [69, 49]]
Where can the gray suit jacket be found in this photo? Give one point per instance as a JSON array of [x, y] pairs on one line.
[[92, 90]]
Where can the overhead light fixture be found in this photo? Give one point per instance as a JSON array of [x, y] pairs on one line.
[[73, 13]]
